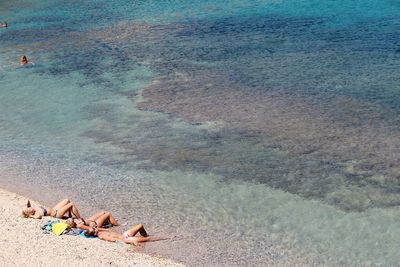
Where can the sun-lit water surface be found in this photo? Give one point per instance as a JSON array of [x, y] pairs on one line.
[[260, 132]]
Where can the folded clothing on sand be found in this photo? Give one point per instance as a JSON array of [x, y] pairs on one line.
[[58, 228]]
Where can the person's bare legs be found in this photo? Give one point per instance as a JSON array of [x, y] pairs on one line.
[[95, 216], [61, 204], [101, 217], [130, 239], [135, 229], [69, 207], [75, 211], [136, 240], [113, 221]]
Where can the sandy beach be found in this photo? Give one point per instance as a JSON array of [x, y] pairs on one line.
[[23, 242]]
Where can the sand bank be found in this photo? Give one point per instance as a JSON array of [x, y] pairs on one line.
[[22, 242]]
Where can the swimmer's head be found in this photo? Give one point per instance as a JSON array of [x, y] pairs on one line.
[[23, 60]]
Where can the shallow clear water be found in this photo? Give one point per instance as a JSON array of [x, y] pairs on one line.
[[260, 132]]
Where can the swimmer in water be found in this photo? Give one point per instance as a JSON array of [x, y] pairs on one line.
[[23, 60], [3, 25]]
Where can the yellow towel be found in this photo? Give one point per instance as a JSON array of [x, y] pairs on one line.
[[59, 228]]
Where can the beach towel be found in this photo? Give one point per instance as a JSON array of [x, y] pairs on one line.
[[47, 227], [73, 231], [83, 234]]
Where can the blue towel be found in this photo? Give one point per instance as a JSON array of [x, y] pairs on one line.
[[83, 233], [73, 231], [48, 225]]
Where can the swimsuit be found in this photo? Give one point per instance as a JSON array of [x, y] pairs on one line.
[[95, 223], [43, 211]]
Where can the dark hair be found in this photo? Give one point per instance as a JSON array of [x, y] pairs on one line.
[[71, 222]]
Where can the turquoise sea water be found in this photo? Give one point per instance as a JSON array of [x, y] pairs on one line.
[[262, 133]]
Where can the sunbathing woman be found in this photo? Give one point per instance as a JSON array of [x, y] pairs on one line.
[[93, 223], [129, 236], [63, 208]]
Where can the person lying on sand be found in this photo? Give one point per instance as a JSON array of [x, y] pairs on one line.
[[129, 236], [64, 207], [93, 223]]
